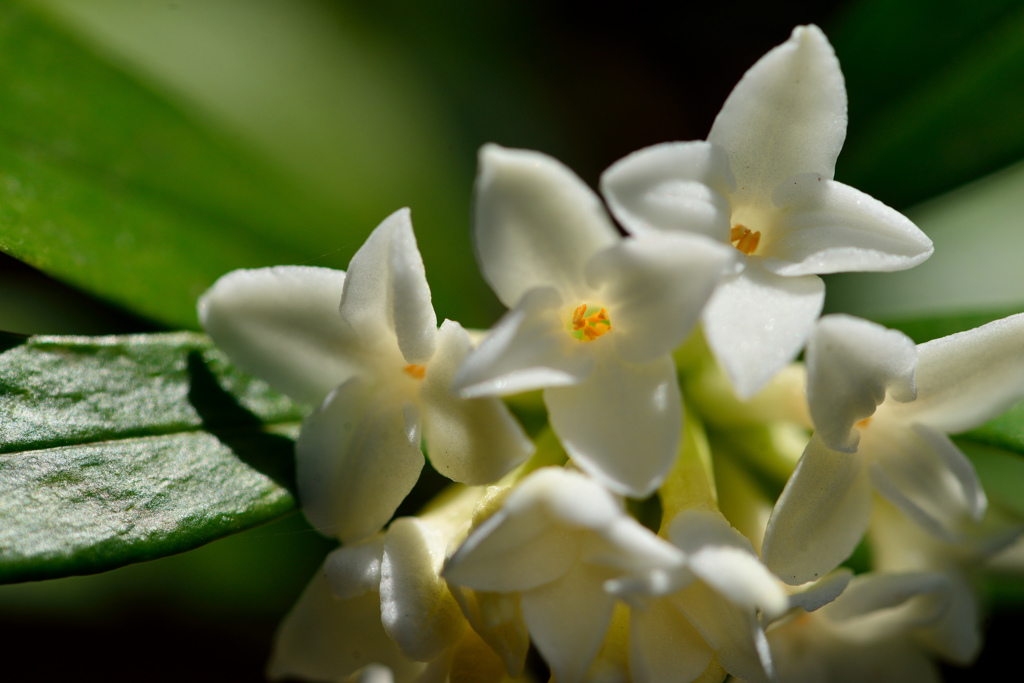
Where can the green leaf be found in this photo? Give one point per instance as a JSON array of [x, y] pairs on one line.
[[173, 144], [125, 448]]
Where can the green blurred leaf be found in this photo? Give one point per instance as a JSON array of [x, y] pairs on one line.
[[1001, 473], [935, 96], [124, 448]]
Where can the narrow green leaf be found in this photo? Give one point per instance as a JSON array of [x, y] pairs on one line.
[[125, 448]]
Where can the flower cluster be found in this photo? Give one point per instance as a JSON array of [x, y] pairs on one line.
[[638, 536]]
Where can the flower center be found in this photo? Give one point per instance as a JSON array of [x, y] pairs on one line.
[[744, 239], [589, 321], [415, 371]]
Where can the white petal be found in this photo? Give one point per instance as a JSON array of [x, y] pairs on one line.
[[820, 517], [786, 116], [851, 365], [528, 349], [536, 224], [821, 592], [386, 294], [924, 474], [756, 322], [281, 324], [325, 639], [536, 536], [672, 187], [656, 288], [829, 227], [622, 424], [890, 603], [474, 441], [733, 632], [355, 569], [970, 377], [722, 558], [956, 636], [567, 619], [664, 646], [417, 610], [354, 462]]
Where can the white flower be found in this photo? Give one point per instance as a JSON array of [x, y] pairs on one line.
[[869, 633], [594, 317], [555, 542], [382, 603], [764, 182], [704, 608], [390, 370], [882, 409]]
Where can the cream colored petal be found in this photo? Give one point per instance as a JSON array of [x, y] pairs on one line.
[[756, 322], [528, 349], [664, 646], [852, 364], [417, 610], [968, 378], [474, 441], [672, 187], [820, 517], [567, 619], [536, 224], [656, 288], [282, 325], [355, 462], [622, 424], [786, 116], [828, 227], [324, 638], [355, 569]]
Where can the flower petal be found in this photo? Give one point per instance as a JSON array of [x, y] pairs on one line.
[[355, 463], [417, 610], [894, 602], [851, 365], [822, 592], [969, 377], [355, 569], [527, 349], [567, 619], [820, 517], [924, 474], [672, 187], [664, 646], [724, 559], [756, 322], [829, 227], [786, 116], [326, 639], [733, 632], [282, 325], [386, 293], [622, 424], [535, 537], [536, 224], [473, 441], [656, 288]]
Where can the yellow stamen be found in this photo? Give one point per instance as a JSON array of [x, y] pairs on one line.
[[416, 371], [744, 239], [590, 327], [863, 423]]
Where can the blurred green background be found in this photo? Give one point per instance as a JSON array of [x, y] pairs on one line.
[[148, 147]]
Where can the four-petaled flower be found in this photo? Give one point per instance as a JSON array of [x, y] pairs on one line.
[[384, 368], [594, 316], [882, 408], [763, 182]]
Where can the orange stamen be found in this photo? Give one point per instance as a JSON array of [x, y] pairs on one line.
[[744, 239], [863, 423], [416, 371], [592, 327]]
